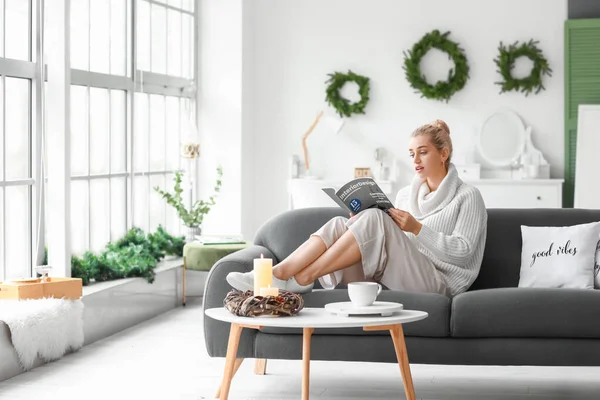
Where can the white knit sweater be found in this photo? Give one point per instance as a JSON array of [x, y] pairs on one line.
[[454, 229]]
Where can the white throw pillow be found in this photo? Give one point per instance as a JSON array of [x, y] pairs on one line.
[[559, 257]]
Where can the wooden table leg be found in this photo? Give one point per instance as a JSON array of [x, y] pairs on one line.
[[306, 336], [232, 363], [232, 348], [183, 283], [260, 366], [238, 362], [401, 354]]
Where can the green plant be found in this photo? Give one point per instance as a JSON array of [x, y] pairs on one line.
[[93, 267], [168, 244], [136, 236], [79, 271], [457, 77], [129, 261], [336, 81], [199, 209], [133, 255], [506, 61]]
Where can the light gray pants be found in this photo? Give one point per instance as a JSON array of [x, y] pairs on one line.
[[388, 255]]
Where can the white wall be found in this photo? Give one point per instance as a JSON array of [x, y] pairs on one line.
[[220, 111], [289, 48], [249, 198]]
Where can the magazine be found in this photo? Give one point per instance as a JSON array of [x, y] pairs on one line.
[[360, 194]]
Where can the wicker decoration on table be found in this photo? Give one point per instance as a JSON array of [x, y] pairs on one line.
[[245, 304]]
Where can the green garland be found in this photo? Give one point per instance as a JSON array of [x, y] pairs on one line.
[[133, 255], [506, 60], [343, 107], [457, 77]]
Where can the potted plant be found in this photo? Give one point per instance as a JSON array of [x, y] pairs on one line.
[[193, 217]]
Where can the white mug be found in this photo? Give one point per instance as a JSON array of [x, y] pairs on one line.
[[363, 294]]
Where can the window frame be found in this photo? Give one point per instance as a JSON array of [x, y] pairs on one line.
[[32, 71], [134, 81]]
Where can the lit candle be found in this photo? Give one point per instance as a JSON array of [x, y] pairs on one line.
[[263, 273], [269, 291]]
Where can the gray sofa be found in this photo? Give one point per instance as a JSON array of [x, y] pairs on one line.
[[493, 323]]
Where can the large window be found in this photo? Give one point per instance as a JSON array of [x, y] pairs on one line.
[[131, 96], [164, 66], [17, 138], [98, 167], [101, 81], [159, 123], [114, 169]]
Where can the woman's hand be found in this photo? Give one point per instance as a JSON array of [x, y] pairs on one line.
[[405, 221]]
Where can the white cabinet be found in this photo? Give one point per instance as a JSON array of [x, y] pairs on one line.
[[468, 171], [496, 193], [522, 193]]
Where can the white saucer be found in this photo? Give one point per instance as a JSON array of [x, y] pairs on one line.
[[346, 308]]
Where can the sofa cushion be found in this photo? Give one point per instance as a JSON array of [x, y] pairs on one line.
[[435, 325], [526, 312], [559, 256], [501, 264]]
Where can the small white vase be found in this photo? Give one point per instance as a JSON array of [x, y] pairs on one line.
[[192, 232]]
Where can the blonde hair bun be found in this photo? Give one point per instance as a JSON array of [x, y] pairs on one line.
[[439, 135], [438, 123]]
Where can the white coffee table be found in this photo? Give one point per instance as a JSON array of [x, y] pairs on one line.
[[308, 319]]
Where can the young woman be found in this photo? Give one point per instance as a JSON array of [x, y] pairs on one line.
[[433, 242]]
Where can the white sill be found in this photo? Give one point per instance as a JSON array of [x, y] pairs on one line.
[[169, 262]]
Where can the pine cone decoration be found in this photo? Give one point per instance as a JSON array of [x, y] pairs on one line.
[[245, 304]]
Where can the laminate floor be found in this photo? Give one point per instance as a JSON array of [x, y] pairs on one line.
[[165, 358]]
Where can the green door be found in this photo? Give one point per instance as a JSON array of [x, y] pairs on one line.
[[582, 86]]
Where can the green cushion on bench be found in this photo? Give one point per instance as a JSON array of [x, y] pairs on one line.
[[201, 257]]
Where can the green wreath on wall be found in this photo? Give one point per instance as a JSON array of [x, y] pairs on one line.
[[457, 77], [344, 107], [506, 61]]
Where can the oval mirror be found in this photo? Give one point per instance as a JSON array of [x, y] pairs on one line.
[[501, 139]]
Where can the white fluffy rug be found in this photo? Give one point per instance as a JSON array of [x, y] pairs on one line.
[[45, 327]]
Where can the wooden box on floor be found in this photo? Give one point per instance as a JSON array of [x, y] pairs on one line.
[[68, 288]]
